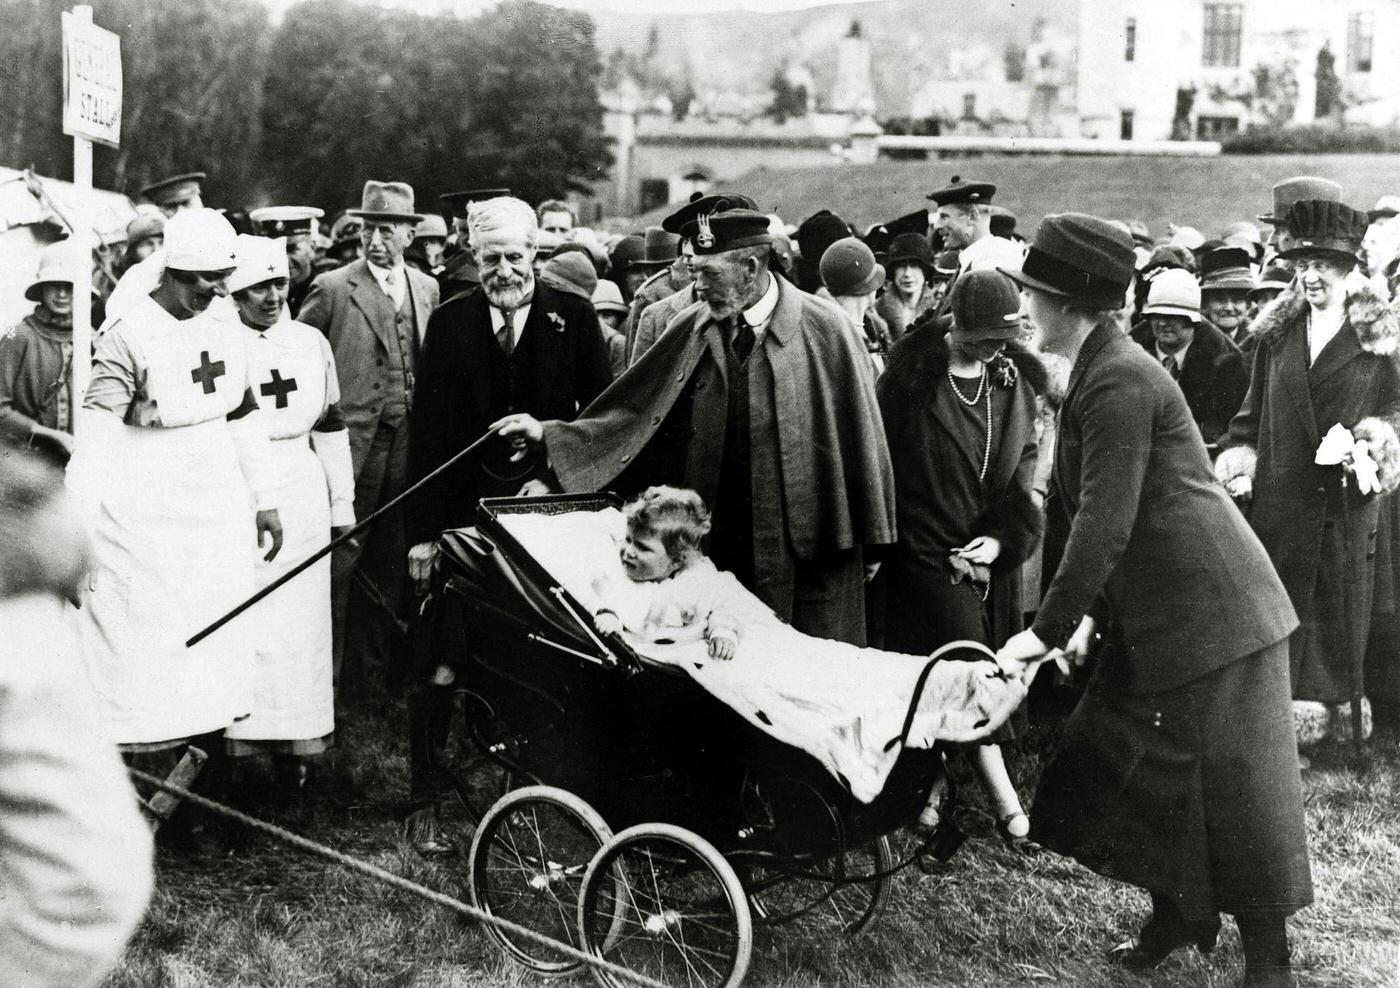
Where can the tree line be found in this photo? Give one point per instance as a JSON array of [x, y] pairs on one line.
[[305, 110]]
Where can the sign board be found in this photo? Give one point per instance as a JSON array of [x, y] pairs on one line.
[[92, 82]]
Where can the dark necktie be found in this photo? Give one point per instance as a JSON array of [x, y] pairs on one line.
[[1169, 362], [505, 336], [741, 338]]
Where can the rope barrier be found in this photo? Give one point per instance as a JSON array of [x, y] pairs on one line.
[[396, 881]]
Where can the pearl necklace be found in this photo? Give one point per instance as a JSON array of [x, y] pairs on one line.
[[982, 389]]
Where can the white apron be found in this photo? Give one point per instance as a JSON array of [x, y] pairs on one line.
[[174, 539], [293, 380]]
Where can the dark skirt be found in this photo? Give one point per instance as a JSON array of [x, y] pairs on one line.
[[1193, 794]]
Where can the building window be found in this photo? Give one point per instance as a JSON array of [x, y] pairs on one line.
[[1125, 125], [1130, 44], [1221, 44], [1216, 128], [1360, 41], [969, 106]]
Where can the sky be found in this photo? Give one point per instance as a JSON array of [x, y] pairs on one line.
[[630, 6]]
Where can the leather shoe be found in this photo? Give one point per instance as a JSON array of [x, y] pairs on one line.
[[425, 834], [1157, 940], [1020, 843]]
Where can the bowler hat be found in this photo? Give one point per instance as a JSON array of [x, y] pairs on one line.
[[985, 306], [910, 248], [1079, 257], [1292, 190], [848, 268], [660, 248], [1226, 268], [59, 263], [1323, 226], [392, 201], [1174, 292], [958, 191]]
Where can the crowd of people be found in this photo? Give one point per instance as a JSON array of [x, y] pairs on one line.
[[1173, 454]]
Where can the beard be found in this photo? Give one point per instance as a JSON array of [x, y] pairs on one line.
[[507, 293]]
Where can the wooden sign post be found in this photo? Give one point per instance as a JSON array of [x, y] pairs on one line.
[[92, 111]]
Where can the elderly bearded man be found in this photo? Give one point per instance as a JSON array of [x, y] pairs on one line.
[[758, 398], [514, 345], [374, 311]]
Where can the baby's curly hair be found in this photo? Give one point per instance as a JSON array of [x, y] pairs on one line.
[[676, 516]]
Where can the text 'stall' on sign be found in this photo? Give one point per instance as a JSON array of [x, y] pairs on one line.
[[92, 82]]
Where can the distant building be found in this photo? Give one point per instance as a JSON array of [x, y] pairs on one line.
[[853, 92], [1140, 61]]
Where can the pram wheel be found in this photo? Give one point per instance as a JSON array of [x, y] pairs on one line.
[[848, 891], [527, 864], [662, 902]]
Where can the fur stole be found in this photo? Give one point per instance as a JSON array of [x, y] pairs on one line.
[[1376, 322]]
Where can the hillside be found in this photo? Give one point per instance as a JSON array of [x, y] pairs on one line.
[[739, 51], [1207, 193]]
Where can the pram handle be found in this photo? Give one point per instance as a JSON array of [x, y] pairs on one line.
[[346, 536], [922, 681]]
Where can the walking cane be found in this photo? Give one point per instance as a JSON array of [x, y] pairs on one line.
[[1355, 661], [321, 553]]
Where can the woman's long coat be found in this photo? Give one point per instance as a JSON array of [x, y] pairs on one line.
[[1320, 535]]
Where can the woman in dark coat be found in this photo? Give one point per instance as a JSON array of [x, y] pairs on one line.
[[1326, 357], [913, 284], [959, 414], [1177, 771]]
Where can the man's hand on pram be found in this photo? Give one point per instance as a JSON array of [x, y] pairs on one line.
[[420, 565], [522, 431]]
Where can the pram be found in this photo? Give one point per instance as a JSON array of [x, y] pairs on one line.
[[644, 821]]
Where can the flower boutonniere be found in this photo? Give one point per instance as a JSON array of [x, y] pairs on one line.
[[1003, 372], [557, 321]]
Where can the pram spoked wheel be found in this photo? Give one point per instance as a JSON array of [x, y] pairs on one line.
[[527, 864], [847, 891], [663, 902]]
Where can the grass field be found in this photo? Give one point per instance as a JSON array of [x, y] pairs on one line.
[[1208, 193], [258, 914]]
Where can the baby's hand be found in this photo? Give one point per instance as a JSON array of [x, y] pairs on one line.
[[608, 623], [722, 647]]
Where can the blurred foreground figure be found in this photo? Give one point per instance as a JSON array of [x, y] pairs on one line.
[[74, 852]]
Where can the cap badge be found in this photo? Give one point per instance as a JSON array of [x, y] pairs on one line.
[[705, 238]]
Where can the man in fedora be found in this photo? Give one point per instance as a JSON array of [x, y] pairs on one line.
[[374, 311], [297, 224], [661, 255], [1286, 193], [758, 398]]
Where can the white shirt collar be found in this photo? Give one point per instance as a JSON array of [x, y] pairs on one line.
[[1323, 324], [399, 283], [517, 324], [1180, 356], [758, 314]]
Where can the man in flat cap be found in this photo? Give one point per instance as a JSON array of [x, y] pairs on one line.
[[758, 398], [176, 192], [298, 225], [374, 311]]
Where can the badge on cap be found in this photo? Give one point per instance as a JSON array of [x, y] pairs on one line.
[[705, 238]]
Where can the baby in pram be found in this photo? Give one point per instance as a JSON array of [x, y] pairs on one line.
[[677, 594]]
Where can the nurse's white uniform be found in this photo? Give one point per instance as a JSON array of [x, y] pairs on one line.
[[293, 371]]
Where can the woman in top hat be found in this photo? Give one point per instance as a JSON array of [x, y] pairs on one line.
[[913, 287], [959, 413], [1176, 772], [1326, 358]]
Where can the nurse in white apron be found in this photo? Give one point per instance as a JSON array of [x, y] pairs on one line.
[[172, 456], [293, 373]]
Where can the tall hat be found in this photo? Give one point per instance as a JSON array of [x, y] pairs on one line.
[[1292, 190], [1323, 226], [1226, 268], [958, 191], [392, 201], [285, 221], [174, 190], [1080, 257]]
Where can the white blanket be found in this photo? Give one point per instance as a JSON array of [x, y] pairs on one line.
[[844, 705]]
